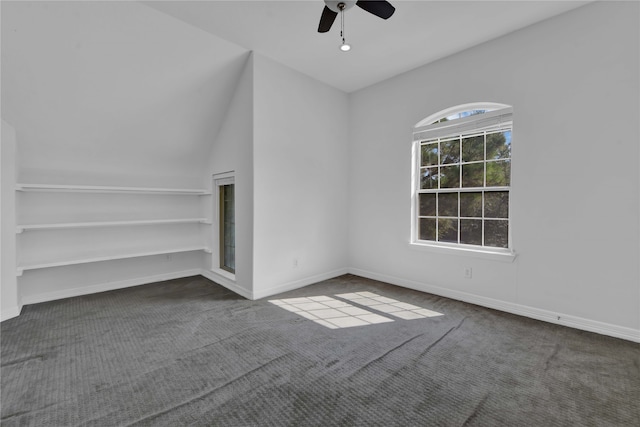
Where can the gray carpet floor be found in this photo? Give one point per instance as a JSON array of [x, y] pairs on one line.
[[190, 352]]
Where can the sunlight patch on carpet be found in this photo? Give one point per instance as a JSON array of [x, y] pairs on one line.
[[389, 306], [330, 312], [336, 313]]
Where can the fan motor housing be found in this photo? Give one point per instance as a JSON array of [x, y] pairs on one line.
[[333, 5]]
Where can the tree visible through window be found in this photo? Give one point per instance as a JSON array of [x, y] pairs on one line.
[[464, 175]]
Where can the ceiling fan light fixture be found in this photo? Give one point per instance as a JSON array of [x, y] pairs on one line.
[[345, 47]]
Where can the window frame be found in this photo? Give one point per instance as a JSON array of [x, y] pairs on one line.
[[217, 256], [497, 117]]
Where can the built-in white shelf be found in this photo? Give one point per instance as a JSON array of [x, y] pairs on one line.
[[62, 263], [104, 189], [78, 248], [21, 228]]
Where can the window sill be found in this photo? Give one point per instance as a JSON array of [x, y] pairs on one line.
[[484, 253]]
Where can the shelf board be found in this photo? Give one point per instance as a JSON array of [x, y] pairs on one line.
[[21, 228], [105, 189], [63, 263]]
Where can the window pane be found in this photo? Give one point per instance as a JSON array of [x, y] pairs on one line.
[[496, 233], [460, 115], [448, 230], [473, 175], [428, 178], [227, 228], [471, 204], [448, 204], [499, 145], [450, 151], [427, 229], [429, 154], [471, 231], [470, 113], [473, 149], [496, 204], [498, 173], [450, 177], [427, 204]]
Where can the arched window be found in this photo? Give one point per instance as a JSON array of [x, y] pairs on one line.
[[462, 177]]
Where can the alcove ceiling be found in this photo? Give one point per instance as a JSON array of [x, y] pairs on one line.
[[419, 32]]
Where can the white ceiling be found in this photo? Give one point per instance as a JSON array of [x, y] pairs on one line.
[[418, 33]]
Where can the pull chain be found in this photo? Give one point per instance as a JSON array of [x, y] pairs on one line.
[[342, 25], [345, 47]]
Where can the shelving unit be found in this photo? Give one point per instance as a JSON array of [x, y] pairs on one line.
[[68, 230]]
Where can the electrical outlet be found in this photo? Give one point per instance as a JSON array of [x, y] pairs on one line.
[[295, 263], [468, 272], [169, 257]]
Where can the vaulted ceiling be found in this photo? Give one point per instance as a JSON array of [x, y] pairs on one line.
[[139, 90]]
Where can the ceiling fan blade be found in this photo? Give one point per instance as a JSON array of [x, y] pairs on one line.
[[326, 20], [382, 9]]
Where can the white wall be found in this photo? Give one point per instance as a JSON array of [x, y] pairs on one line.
[[9, 296], [232, 150], [285, 137], [573, 83], [300, 176]]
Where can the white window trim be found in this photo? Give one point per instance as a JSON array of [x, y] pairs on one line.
[[489, 106], [491, 119], [481, 252], [219, 180], [426, 129]]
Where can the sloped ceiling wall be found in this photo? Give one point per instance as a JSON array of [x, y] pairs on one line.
[[112, 93]]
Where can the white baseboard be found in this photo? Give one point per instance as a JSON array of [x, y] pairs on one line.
[[103, 287], [227, 283], [518, 309], [263, 293], [10, 313], [513, 308], [221, 280]]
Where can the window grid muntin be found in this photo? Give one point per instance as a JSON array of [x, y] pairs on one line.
[[507, 127]]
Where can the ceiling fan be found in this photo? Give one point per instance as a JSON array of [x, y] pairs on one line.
[[382, 9]]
